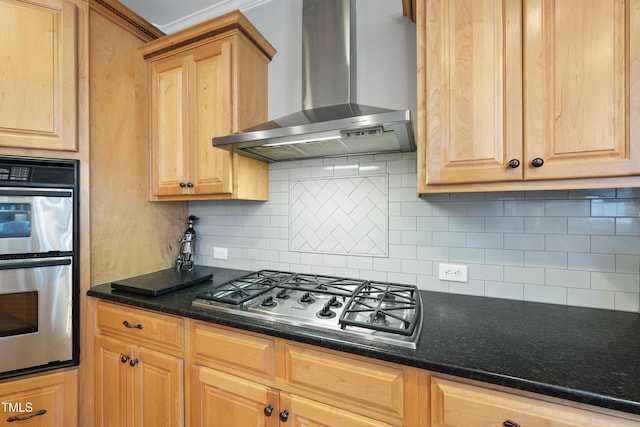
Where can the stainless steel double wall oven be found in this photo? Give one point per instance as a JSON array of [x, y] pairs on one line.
[[39, 274]]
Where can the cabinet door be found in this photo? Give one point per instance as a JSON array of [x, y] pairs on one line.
[[304, 412], [459, 404], [211, 106], [158, 389], [470, 91], [47, 400], [169, 130], [39, 78], [113, 387], [221, 400], [582, 88]]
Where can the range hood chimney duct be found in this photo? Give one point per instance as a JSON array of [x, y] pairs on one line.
[[331, 122]]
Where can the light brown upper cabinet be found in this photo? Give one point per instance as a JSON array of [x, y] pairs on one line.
[[38, 74], [208, 80], [531, 94]]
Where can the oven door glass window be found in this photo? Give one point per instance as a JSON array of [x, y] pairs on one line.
[[18, 313], [15, 220]]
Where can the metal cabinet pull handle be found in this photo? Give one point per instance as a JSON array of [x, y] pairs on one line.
[[27, 417], [514, 163], [130, 326], [182, 185], [124, 358], [284, 415], [510, 423], [190, 184], [537, 162], [268, 410], [133, 362]]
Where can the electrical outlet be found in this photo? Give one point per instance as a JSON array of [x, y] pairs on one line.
[[453, 272], [220, 253]]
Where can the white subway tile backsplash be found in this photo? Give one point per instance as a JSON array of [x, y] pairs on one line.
[[504, 290], [450, 239], [628, 226], [591, 262], [590, 298], [525, 242], [504, 257], [593, 193], [473, 287], [524, 208], [567, 208], [485, 208], [485, 240], [615, 245], [545, 225], [567, 278], [576, 247], [466, 255], [604, 226], [627, 301], [614, 282], [616, 207], [545, 259], [567, 243], [627, 264], [435, 223], [465, 223], [546, 294], [534, 276], [506, 224]]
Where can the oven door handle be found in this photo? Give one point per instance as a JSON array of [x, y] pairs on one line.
[[40, 262], [34, 193]]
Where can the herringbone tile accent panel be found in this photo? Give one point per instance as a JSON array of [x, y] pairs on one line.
[[347, 215]]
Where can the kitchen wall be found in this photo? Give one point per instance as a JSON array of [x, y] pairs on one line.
[[564, 247], [578, 248]]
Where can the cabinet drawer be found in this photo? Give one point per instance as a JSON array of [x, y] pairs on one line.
[[459, 404], [154, 330], [215, 346], [345, 379], [50, 400]]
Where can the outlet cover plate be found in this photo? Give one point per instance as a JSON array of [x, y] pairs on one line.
[[453, 272], [220, 253]]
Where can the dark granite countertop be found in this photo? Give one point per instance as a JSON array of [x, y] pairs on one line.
[[586, 355]]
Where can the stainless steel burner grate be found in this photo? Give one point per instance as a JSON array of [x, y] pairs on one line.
[[379, 311]]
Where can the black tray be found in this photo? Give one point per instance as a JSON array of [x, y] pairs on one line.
[[163, 281]]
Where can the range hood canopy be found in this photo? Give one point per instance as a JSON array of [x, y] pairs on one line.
[[331, 122]]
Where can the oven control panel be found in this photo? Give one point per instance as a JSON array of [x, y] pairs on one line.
[[14, 173], [32, 172]]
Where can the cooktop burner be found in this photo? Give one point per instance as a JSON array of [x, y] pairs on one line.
[[380, 311]]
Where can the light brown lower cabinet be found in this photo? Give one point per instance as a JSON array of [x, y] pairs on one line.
[[455, 403], [153, 369], [221, 399], [244, 379], [138, 381], [45, 400]]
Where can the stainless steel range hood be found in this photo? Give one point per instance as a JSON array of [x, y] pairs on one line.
[[331, 122]]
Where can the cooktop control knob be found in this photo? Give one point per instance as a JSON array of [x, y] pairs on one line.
[[306, 298], [333, 302], [325, 312], [268, 302], [282, 294]]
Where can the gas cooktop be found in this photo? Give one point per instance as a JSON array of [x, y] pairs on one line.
[[378, 311]]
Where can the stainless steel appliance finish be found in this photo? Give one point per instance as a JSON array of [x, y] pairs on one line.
[[38, 265], [380, 312], [331, 122], [36, 312]]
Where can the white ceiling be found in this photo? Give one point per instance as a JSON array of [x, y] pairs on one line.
[[171, 15]]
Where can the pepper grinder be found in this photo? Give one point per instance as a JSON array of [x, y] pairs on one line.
[[187, 246]]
